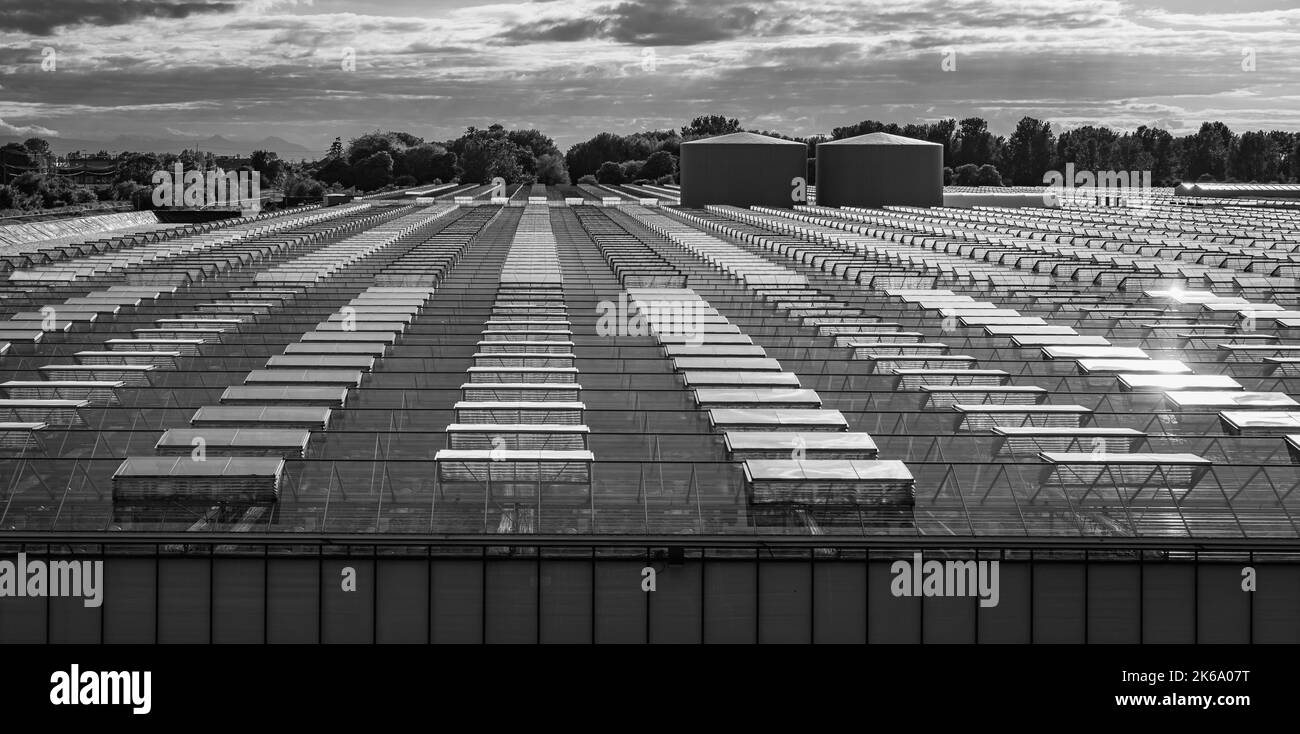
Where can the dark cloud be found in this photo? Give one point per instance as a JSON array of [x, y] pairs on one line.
[[42, 17], [14, 55], [674, 24], [643, 24], [989, 14], [433, 49], [562, 31]]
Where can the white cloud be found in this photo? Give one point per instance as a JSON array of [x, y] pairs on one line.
[[37, 130]]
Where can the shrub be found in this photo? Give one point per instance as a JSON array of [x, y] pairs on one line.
[[588, 179], [988, 176], [660, 163], [966, 175], [28, 183], [609, 173]]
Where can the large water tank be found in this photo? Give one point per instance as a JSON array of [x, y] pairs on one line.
[[879, 169], [742, 169]]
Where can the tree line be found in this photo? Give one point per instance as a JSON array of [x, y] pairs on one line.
[[973, 155], [377, 160], [1213, 153]]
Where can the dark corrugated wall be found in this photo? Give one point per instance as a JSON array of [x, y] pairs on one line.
[[880, 175], [741, 174]]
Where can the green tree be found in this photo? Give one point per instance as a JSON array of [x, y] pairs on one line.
[[485, 158], [138, 167], [631, 170], [268, 163], [375, 171], [709, 125], [609, 173], [336, 171], [1209, 150], [37, 147], [1089, 148], [987, 175], [1162, 148], [364, 146], [866, 127], [551, 170], [14, 159], [429, 161], [585, 157], [967, 174], [1256, 158], [1029, 151], [659, 164]]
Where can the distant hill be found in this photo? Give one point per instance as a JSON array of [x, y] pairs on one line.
[[216, 144]]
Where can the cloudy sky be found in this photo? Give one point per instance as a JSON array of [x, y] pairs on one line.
[[251, 68]]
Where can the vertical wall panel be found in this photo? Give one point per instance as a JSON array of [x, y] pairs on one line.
[[1277, 603], [22, 619], [566, 602], [840, 602], [237, 600], [620, 602], [457, 601], [893, 619], [347, 616], [129, 600], [293, 608], [402, 611], [675, 606], [1224, 609], [785, 602], [1008, 622], [949, 620], [184, 603], [1058, 602], [512, 601], [1169, 604], [729, 596], [1114, 603], [71, 621]]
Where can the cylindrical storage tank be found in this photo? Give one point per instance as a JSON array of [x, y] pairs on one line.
[[879, 169], [742, 169]]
